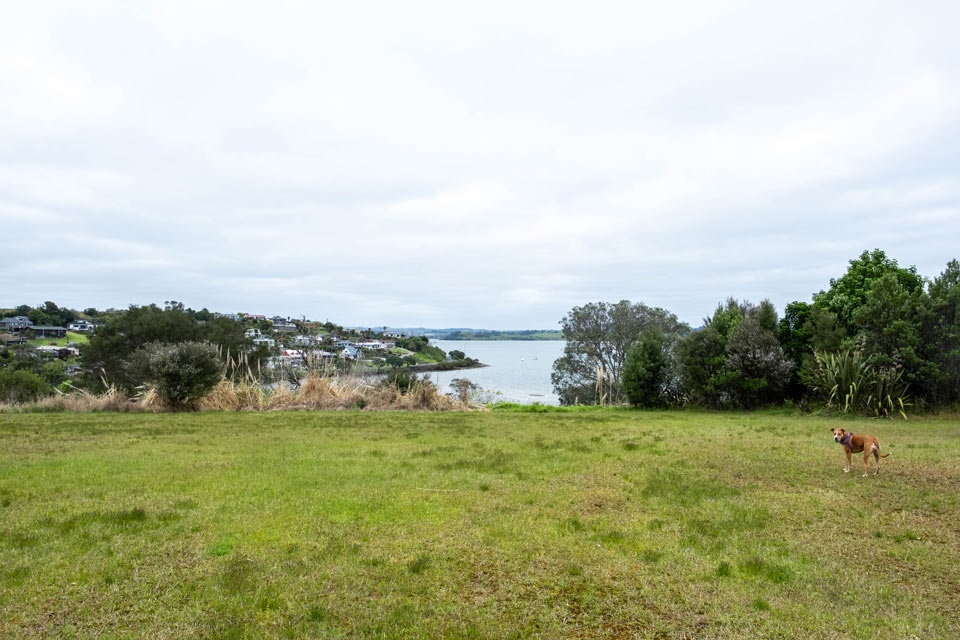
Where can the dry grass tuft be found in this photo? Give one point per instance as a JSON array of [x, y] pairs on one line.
[[320, 392], [317, 392], [233, 396], [82, 401]]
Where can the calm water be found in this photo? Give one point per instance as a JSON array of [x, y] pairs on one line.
[[518, 369]]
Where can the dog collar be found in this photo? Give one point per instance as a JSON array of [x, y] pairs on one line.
[[845, 440]]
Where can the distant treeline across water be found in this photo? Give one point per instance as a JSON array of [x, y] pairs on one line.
[[527, 334]]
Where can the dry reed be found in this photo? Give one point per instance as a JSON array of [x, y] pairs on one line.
[[82, 401], [317, 392]]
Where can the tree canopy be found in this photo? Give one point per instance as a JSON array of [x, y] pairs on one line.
[[900, 330], [598, 337], [108, 357]]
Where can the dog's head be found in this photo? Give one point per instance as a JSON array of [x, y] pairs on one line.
[[838, 434]]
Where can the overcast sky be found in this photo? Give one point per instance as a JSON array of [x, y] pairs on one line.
[[485, 164]]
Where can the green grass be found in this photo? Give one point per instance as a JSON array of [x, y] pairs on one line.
[[589, 524], [72, 336]]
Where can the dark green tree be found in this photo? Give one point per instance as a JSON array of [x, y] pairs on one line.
[[891, 331], [757, 371], [941, 336], [394, 360], [646, 371], [107, 357], [849, 293], [701, 356], [736, 360]]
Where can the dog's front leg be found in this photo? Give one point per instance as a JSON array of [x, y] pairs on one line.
[[846, 469]]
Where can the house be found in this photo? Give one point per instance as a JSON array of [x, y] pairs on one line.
[[15, 324], [81, 326], [58, 352], [350, 353], [9, 338], [377, 345], [18, 324], [283, 327], [41, 331]]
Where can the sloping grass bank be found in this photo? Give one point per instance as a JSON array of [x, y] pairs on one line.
[[603, 524]]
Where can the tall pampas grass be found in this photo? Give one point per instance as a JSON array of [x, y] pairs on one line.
[[241, 391], [82, 401]]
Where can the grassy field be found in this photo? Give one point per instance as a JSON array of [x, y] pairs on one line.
[[601, 524], [72, 336]]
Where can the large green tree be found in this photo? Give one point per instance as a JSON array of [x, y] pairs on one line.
[[598, 337], [941, 336], [647, 371], [849, 293], [887, 316], [108, 357], [757, 371], [735, 360]]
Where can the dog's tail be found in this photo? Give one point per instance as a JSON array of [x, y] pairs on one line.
[[883, 455]]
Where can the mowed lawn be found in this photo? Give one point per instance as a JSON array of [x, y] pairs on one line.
[[598, 524]]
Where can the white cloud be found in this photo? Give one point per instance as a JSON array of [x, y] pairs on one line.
[[459, 163]]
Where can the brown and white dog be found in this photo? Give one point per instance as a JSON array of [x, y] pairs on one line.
[[869, 445]]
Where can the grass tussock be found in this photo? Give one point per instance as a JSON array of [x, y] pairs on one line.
[[316, 392], [82, 401], [233, 396], [320, 392]]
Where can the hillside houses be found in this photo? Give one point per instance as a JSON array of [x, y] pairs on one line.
[[18, 325], [277, 340], [81, 326]]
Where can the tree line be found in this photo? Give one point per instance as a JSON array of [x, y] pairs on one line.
[[880, 339], [178, 352]]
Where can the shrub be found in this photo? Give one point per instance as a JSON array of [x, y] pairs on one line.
[[464, 389], [22, 386], [402, 380], [180, 373]]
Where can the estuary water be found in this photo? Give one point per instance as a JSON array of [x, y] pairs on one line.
[[518, 370]]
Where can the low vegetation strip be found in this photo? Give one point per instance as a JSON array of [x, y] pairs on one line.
[[588, 524]]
